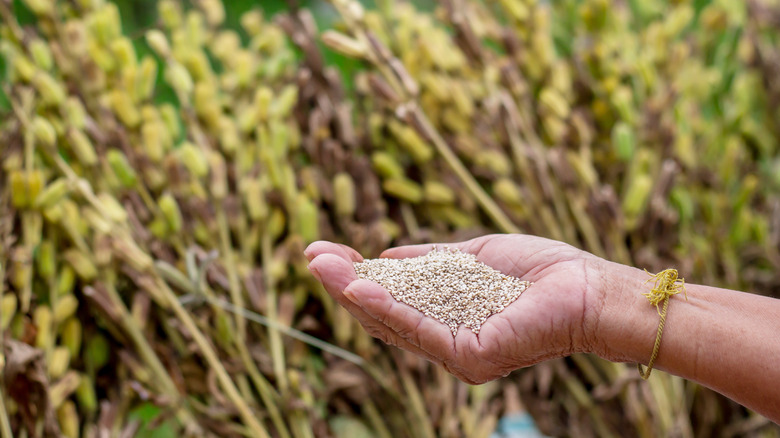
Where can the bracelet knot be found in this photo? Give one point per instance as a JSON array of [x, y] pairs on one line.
[[667, 284]]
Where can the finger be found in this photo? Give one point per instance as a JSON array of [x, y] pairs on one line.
[[324, 247], [408, 251], [407, 322], [472, 246], [336, 273]]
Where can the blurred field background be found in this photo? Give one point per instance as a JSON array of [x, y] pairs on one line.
[[164, 163]]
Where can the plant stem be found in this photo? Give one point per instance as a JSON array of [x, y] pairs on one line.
[[383, 60], [277, 350], [491, 208], [147, 353], [200, 292], [211, 357]]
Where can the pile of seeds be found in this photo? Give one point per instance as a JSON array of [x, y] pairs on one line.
[[448, 285]]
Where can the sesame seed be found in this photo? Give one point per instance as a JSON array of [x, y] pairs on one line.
[[446, 284]]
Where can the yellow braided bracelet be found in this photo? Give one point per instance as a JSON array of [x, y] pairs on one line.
[[666, 285]]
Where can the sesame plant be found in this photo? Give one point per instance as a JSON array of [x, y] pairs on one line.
[[158, 185]]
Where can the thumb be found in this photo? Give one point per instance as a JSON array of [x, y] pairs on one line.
[[407, 322]]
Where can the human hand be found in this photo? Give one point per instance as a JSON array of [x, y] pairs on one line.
[[552, 318]]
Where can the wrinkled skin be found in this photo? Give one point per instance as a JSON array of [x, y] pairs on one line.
[[552, 318]]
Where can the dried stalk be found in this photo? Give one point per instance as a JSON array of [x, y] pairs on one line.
[[249, 418]]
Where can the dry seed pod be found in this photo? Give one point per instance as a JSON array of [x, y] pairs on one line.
[[124, 52], [254, 199], [22, 69], [263, 98], [145, 79], [82, 147], [344, 44], [124, 172], [35, 181], [199, 66], [65, 308], [344, 194], [453, 215], [455, 121], [44, 131], [96, 221], [71, 219], [70, 335], [244, 68], [495, 162], [282, 106], [58, 362], [40, 7], [463, 102], [438, 193], [47, 259], [125, 108], [170, 13], [105, 24], [7, 310], [437, 85], [226, 44], [214, 11], [171, 212], [75, 114], [411, 141], [52, 92], [68, 419], [158, 42], [307, 217], [276, 223], [635, 200], [622, 100], [279, 138], [507, 191], [193, 159], [19, 194], [41, 54], [206, 103], [229, 138], [159, 228], [623, 141], [171, 119], [97, 352], [81, 264], [248, 120], [101, 56], [219, 185], [43, 322], [66, 280], [21, 269], [152, 136], [52, 194], [310, 180], [180, 80], [404, 189], [85, 394], [552, 102]]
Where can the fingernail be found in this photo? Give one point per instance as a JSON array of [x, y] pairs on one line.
[[350, 296], [315, 273]]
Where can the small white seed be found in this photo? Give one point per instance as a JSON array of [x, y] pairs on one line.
[[446, 284]]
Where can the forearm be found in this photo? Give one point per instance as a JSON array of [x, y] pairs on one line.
[[726, 340]]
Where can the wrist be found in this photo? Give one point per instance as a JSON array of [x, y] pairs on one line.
[[619, 324]]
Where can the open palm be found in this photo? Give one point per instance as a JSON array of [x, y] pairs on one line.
[[545, 322]]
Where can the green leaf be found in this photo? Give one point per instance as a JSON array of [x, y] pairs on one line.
[[147, 413]]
